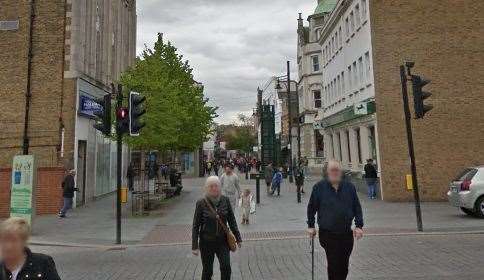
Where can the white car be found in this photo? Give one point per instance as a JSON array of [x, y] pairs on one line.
[[467, 191]]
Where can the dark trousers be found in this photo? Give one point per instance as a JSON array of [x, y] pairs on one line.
[[338, 248], [208, 250]]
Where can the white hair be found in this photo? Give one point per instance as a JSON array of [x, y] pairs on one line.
[[334, 164], [212, 180]]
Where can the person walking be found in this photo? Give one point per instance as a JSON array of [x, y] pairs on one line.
[[276, 182], [68, 189], [230, 185], [371, 177], [208, 236], [130, 177], [18, 261], [299, 179], [337, 205], [268, 174]]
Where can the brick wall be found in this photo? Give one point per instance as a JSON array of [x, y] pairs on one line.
[[48, 192], [445, 40]]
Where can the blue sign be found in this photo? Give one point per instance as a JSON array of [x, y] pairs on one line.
[[88, 106]]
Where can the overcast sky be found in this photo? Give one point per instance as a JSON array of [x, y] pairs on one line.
[[233, 45]]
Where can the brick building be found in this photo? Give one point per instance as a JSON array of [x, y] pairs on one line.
[[77, 49], [445, 41]]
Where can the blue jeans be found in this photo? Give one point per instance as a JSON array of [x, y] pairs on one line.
[[276, 187], [371, 182], [67, 206]]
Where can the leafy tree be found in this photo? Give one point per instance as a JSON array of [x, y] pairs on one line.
[[178, 117], [242, 136]]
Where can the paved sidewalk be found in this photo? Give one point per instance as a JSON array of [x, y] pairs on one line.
[[446, 257], [276, 217]]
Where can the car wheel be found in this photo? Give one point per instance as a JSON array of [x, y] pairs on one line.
[[479, 209], [469, 212]]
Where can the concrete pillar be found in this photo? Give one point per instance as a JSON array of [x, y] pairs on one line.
[[328, 146], [365, 143], [345, 159], [354, 148], [336, 146]]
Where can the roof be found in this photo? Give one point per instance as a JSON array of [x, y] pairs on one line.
[[325, 6]]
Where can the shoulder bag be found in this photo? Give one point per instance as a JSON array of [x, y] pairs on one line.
[[231, 240]]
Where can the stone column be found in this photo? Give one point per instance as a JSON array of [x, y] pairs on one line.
[[345, 159], [328, 146], [336, 146], [354, 148], [365, 143]]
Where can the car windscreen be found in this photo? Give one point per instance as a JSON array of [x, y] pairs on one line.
[[466, 174]]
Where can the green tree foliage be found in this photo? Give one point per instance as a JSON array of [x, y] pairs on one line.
[[242, 136], [178, 117]]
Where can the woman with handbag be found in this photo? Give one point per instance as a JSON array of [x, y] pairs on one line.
[[210, 234]]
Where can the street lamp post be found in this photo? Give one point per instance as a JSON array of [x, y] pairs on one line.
[[289, 112]]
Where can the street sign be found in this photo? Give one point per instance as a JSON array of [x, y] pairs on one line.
[[22, 188], [7, 25], [361, 108]]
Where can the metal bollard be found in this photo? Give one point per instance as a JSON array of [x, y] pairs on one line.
[[257, 188]]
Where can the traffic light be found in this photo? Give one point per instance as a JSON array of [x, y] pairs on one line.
[[103, 114], [136, 110], [122, 116], [419, 96]]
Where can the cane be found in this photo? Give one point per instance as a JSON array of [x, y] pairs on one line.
[[312, 257]]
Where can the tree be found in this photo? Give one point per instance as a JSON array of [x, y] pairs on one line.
[[178, 117], [242, 136]]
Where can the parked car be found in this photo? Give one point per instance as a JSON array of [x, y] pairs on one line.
[[466, 191]]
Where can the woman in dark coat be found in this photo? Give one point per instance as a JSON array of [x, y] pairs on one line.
[[209, 238], [18, 262]]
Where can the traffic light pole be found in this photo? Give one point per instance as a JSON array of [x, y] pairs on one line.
[[289, 113], [119, 154], [411, 151]]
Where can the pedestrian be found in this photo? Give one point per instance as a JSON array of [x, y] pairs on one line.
[[130, 176], [208, 237], [246, 205], [268, 175], [276, 182], [216, 168], [18, 261], [68, 190], [230, 185], [337, 205], [299, 178], [371, 177]]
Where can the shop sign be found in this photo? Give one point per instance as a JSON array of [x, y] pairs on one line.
[[88, 106], [22, 188], [361, 108]]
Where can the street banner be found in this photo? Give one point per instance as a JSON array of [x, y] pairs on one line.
[[22, 189]]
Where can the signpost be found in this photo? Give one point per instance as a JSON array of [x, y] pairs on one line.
[[22, 188]]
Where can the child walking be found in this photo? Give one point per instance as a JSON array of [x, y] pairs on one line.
[[276, 182], [246, 204]]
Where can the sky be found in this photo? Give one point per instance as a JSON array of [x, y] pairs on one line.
[[233, 45]]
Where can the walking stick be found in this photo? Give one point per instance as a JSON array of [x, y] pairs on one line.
[[312, 258]]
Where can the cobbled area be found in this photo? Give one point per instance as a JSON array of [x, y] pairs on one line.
[[431, 257]]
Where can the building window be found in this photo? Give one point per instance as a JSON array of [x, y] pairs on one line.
[[340, 92], [347, 27], [317, 98], [315, 60], [336, 40], [358, 141], [364, 10], [340, 38], [355, 75], [349, 145], [368, 66], [360, 70], [343, 83], [352, 22], [357, 15], [350, 77]]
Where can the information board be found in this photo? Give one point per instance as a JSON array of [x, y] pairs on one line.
[[22, 189]]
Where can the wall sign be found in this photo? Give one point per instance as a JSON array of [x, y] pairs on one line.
[[88, 106], [22, 189], [6, 25]]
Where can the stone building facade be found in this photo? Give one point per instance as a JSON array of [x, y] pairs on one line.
[[77, 49], [363, 111]]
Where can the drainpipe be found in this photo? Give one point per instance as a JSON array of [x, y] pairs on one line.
[[28, 92]]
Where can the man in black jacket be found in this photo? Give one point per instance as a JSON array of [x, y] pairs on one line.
[[337, 205], [68, 189], [371, 177]]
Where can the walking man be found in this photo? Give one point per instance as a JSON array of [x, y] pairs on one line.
[[371, 177], [68, 189], [268, 173], [337, 205], [230, 185]]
